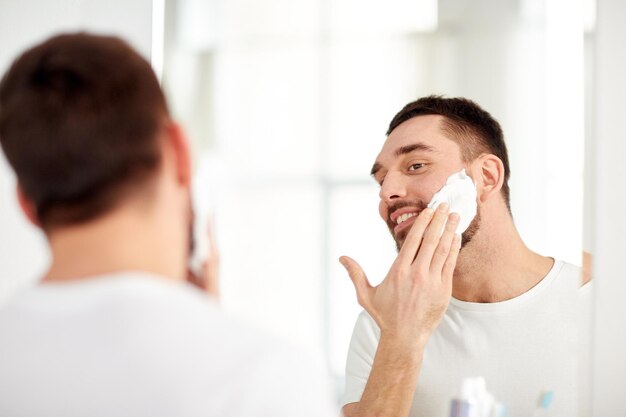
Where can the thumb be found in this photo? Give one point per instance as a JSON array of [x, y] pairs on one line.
[[359, 279]]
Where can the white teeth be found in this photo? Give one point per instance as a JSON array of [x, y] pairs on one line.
[[404, 217]]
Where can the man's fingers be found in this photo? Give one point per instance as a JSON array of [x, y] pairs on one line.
[[448, 267], [432, 236], [361, 284], [443, 249], [414, 237], [211, 266], [211, 278], [213, 252]]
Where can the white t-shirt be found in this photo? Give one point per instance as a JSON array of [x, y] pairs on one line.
[[134, 344], [521, 346]]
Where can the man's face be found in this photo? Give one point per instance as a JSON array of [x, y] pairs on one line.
[[414, 163]]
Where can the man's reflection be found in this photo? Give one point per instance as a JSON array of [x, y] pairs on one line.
[[490, 307]]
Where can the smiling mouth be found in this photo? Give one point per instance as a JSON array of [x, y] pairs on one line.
[[401, 215], [404, 217], [403, 221]]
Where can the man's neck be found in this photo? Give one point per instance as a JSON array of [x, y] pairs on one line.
[[496, 265], [121, 241]]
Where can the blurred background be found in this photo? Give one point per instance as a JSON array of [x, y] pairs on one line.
[[287, 102]]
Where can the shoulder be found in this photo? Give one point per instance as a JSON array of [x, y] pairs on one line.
[[575, 275], [168, 337], [571, 283], [188, 319], [195, 342]]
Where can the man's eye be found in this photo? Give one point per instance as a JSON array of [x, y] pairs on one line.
[[415, 167]]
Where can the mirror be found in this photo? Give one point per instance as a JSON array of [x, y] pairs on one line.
[[293, 98], [287, 103]]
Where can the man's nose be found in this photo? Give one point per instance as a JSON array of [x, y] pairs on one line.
[[393, 187]]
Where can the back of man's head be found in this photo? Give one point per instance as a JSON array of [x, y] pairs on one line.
[[80, 117]]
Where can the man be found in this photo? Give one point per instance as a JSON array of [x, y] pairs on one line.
[[495, 309], [113, 329]]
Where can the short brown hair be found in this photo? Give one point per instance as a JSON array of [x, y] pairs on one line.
[[473, 128], [79, 122]]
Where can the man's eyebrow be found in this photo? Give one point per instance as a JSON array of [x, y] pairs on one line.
[[419, 146]]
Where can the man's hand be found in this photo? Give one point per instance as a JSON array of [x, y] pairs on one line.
[[412, 298], [407, 306], [209, 280]]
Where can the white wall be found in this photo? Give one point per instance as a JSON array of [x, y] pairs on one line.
[[608, 222], [23, 254]]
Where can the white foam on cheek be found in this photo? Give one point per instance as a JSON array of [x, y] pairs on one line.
[[459, 192]]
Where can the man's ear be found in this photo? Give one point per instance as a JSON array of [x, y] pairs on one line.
[[28, 207], [489, 176], [178, 144]]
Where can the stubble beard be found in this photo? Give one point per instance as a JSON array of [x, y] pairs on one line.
[[401, 236]]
